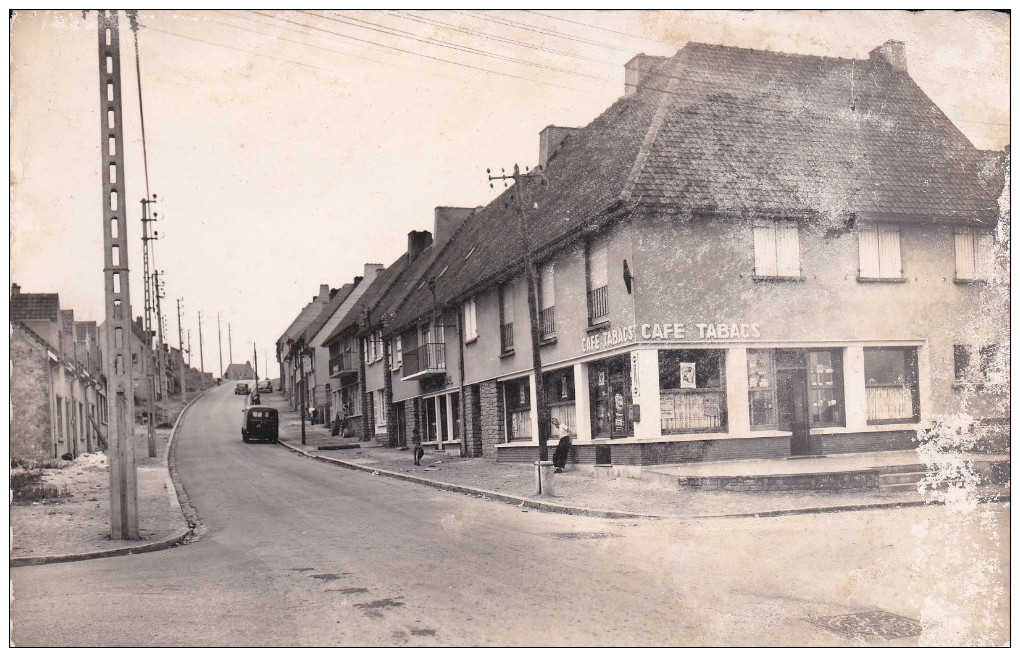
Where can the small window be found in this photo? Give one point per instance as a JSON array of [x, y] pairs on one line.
[[890, 385], [506, 318], [980, 364], [470, 320], [974, 254], [880, 252], [777, 249]]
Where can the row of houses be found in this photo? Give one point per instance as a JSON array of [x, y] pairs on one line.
[[749, 254], [58, 388]]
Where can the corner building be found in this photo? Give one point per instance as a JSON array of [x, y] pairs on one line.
[[750, 254]]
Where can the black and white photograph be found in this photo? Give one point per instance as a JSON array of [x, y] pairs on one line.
[[484, 327]]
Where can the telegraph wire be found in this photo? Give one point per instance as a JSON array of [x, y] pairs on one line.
[[421, 54], [548, 32], [502, 39], [393, 31], [590, 26]]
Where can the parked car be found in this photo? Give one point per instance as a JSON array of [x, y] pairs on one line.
[[265, 387], [261, 423], [242, 388]]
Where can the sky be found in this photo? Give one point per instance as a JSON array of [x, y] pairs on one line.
[[288, 149]]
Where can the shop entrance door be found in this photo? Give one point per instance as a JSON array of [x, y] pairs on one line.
[[791, 394], [610, 399]]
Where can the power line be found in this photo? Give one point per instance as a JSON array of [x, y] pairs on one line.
[[548, 32], [393, 31], [502, 39], [421, 54], [605, 29]]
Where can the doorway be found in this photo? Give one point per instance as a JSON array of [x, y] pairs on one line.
[[609, 391], [792, 397]]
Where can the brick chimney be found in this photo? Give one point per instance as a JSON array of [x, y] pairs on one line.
[[15, 290], [549, 141], [323, 293], [636, 69], [448, 219], [893, 52], [417, 242]]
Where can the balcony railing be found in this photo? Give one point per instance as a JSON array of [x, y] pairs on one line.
[[506, 337], [345, 362], [427, 360], [598, 304], [547, 318]]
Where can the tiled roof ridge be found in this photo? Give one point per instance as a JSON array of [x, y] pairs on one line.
[[376, 291], [664, 101], [771, 52]]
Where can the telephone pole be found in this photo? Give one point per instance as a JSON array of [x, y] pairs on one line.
[[544, 423], [219, 342], [180, 348], [117, 359], [230, 346], [147, 239], [201, 348]]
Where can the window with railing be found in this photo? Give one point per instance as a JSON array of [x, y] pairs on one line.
[[890, 384], [547, 301], [506, 318], [597, 268]]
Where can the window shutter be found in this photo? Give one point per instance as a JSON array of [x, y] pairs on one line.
[[764, 250], [984, 250], [890, 264], [470, 323], [868, 239], [964, 254], [548, 289], [598, 264], [508, 302], [787, 250]]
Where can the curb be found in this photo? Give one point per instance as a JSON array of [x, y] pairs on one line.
[[576, 510], [176, 538], [548, 507]]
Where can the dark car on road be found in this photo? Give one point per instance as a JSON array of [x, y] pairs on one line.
[[242, 388], [262, 423]]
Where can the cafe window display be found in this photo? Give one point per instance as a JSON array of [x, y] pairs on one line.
[[559, 397], [692, 391], [793, 387], [890, 384], [517, 397]]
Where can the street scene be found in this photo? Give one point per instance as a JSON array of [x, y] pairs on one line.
[[723, 360]]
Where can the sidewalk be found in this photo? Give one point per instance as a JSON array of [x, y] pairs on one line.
[[579, 489], [77, 526]]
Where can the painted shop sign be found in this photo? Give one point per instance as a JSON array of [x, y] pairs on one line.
[[670, 331]]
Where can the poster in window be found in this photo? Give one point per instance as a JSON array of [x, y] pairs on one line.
[[687, 375]]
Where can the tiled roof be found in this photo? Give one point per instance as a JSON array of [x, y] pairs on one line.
[[375, 291], [327, 311], [35, 306], [46, 346], [720, 130]]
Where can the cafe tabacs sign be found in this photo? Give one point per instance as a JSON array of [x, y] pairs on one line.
[[670, 331]]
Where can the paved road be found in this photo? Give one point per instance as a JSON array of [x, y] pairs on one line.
[[303, 553]]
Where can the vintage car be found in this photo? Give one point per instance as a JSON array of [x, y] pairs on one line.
[[242, 388], [261, 423], [265, 387]]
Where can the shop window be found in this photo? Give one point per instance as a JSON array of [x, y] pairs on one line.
[[979, 364], [609, 394], [517, 397], [973, 254], [597, 264], [776, 249], [506, 318], [787, 386], [879, 247], [547, 305], [559, 398], [692, 393], [890, 384], [470, 320]]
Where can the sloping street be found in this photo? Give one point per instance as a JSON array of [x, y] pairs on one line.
[[298, 552]]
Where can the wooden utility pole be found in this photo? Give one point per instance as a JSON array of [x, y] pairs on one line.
[[117, 360], [230, 346], [147, 239], [544, 423], [201, 348], [219, 342], [180, 347]]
